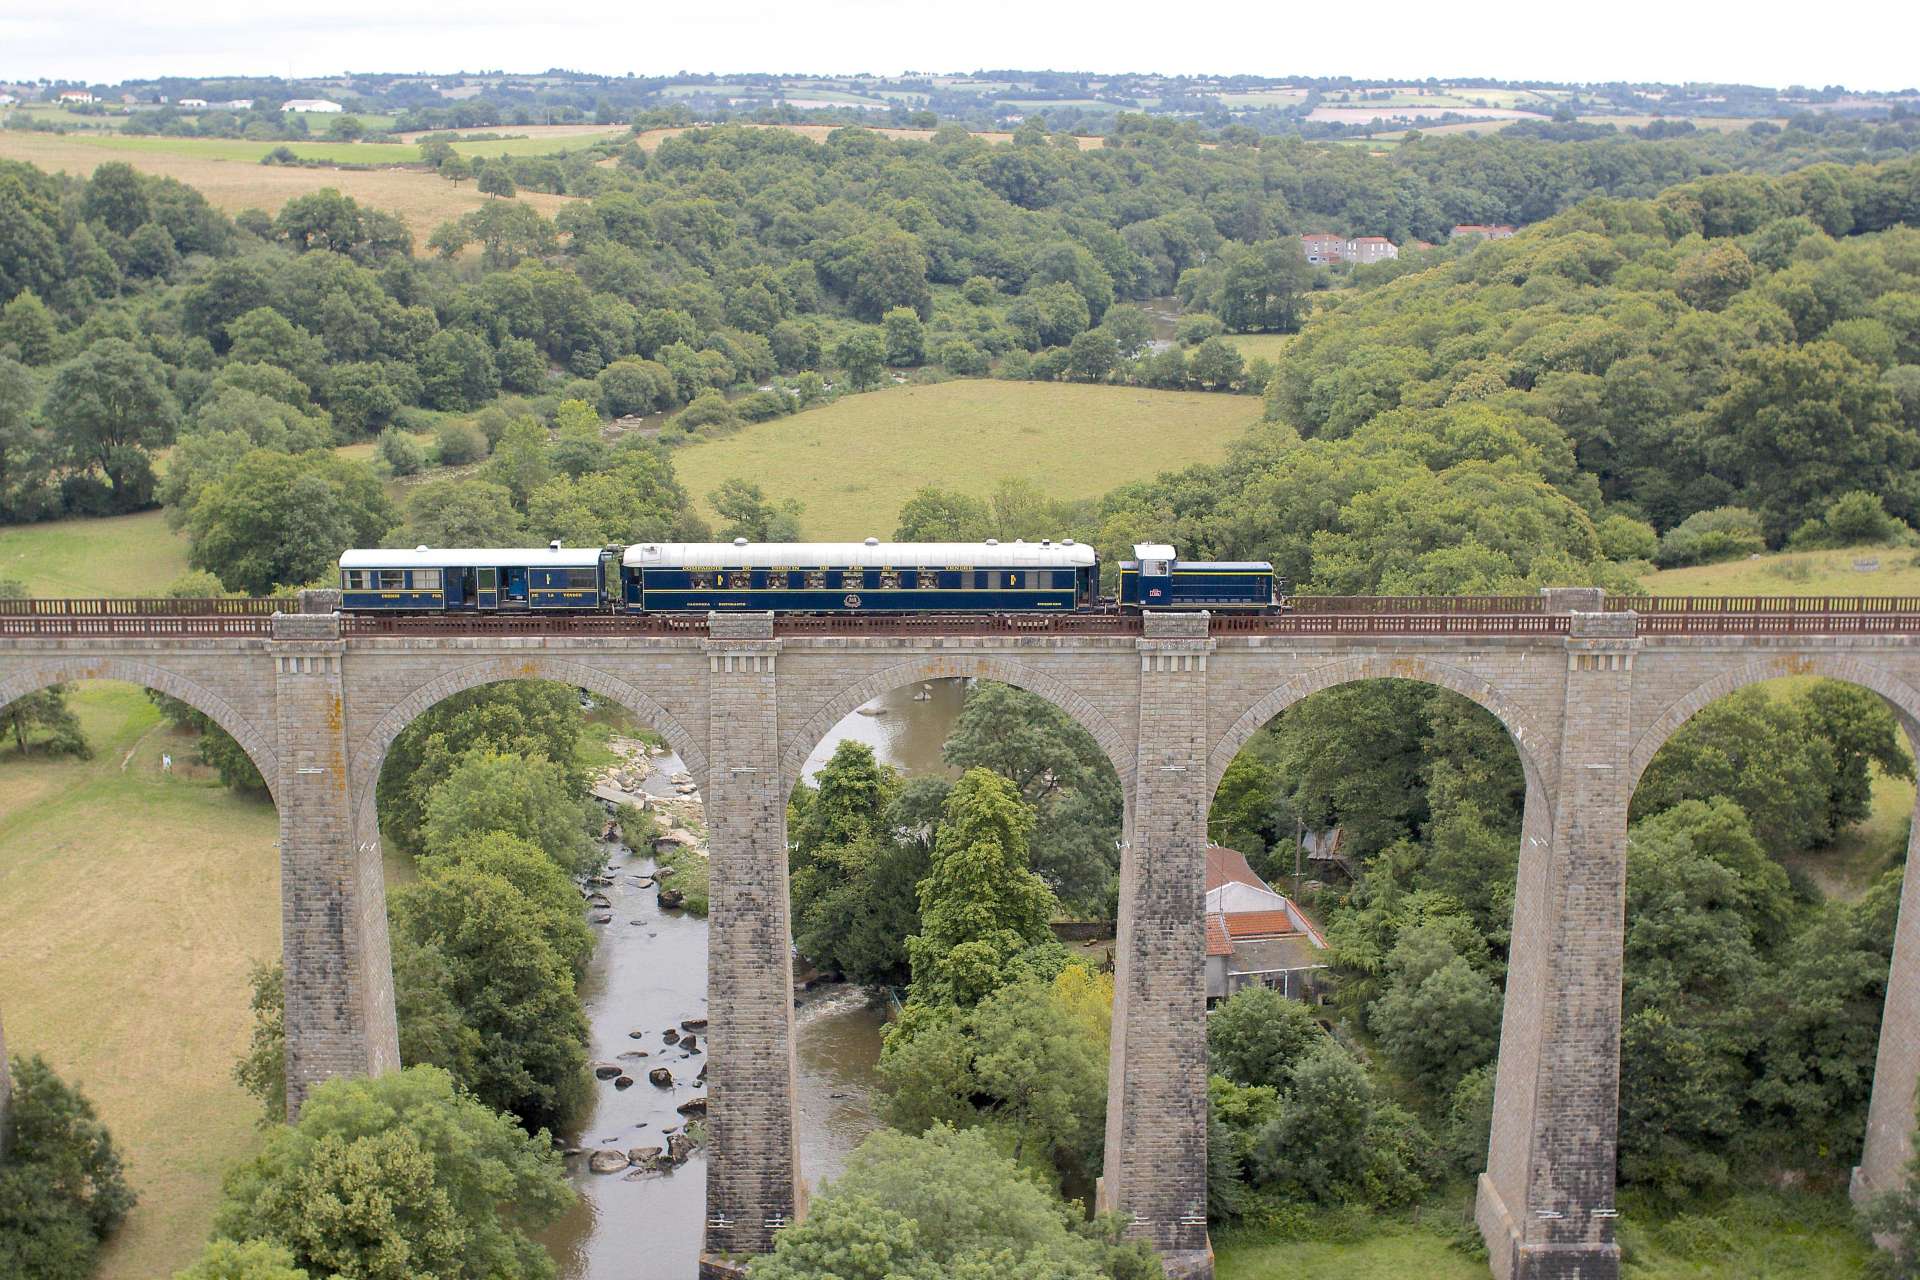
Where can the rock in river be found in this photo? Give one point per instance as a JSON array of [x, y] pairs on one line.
[[607, 1161], [661, 1076], [693, 1107], [606, 1070]]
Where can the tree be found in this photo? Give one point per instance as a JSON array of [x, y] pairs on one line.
[[279, 520], [1257, 1035], [634, 498], [906, 337], [862, 354], [460, 513], [938, 515], [496, 181], [254, 1260], [984, 915], [455, 169], [1260, 287], [1092, 355], [508, 983], [262, 1069], [1215, 364], [1130, 330], [749, 514], [362, 396], [457, 371], [1060, 771], [62, 1191], [1798, 426], [1439, 1017], [27, 326], [401, 454], [524, 796], [1316, 1147], [400, 1175], [107, 407], [943, 1204]]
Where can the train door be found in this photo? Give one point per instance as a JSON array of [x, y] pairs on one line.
[[513, 587], [458, 584], [487, 588]]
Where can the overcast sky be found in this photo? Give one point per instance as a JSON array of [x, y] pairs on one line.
[[1869, 45]]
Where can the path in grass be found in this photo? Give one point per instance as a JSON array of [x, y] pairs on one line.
[[854, 463], [229, 173], [132, 904]]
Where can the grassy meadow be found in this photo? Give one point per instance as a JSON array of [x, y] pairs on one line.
[[1797, 573], [231, 177], [132, 904], [134, 555], [855, 462]]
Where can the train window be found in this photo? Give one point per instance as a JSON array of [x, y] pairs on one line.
[[816, 579], [583, 579], [852, 579], [393, 579], [353, 579], [423, 579], [889, 579], [700, 579]]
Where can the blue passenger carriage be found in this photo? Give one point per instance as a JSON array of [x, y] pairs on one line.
[[546, 579], [1158, 579], [860, 577]]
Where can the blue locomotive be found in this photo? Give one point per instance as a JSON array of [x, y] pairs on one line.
[[793, 577]]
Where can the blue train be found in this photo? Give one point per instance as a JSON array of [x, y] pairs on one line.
[[795, 577]]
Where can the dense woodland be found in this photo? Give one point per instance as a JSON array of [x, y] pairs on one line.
[[1677, 363]]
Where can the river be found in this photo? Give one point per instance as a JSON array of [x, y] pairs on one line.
[[649, 973]]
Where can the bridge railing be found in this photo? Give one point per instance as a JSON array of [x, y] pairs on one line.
[[1388, 623], [1799, 605], [1497, 605], [136, 625], [963, 624], [467, 624], [1779, 624], [150, 607]]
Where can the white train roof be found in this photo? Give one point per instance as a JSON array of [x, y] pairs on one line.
[[871, 554], [473, 558]]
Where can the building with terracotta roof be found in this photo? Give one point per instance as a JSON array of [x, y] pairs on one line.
[[1323, 248], [1256, 936]]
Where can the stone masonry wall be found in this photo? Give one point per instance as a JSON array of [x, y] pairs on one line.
[[753, 1182]]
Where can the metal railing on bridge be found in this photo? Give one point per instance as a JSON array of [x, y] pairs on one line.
[[142, 616]]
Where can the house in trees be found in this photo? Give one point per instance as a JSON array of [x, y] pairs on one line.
[[73, 96], [1256, 937], [1365, 249], [1322, 248]]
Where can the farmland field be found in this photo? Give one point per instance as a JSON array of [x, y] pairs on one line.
[[1260, 346], [132, 903], [854, 463], [233, 179]]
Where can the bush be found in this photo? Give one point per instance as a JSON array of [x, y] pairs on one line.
[[1705, 537], [763, 406], [455, 444], [400, 1174], [1851, 520], [1624, 538], [962, 359], [709, 410], [1257, 1036], [400, 452], [1196, 329], [61, 1189]]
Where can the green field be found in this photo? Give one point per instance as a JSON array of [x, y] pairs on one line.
[[855, 462], [1261, 346], [132, 903], [1753, 1236], [133, 555], [1797, 573]]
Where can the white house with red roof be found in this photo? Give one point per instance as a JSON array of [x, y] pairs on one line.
[[1255, 936]]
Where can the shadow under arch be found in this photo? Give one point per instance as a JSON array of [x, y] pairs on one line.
[[1112, 742], [208, 703], [1528, 742], [1896, 692], [371, 752]]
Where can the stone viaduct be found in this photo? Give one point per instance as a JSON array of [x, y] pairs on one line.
[[1588, 688]]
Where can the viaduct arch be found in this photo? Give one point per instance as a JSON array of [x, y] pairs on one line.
[[1588, 696]]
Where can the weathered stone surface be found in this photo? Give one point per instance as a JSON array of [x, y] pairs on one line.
[[607, 1161], [661, 1076], [606, 1070]]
